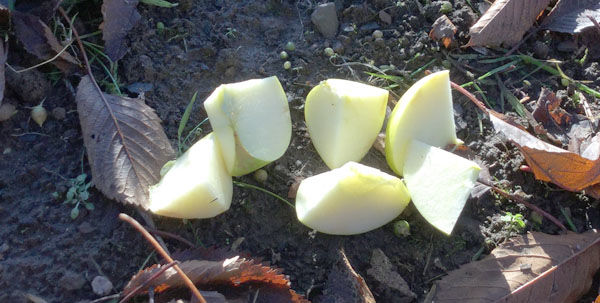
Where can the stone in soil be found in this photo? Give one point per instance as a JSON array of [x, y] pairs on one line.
[[325, 19], [101, 285]]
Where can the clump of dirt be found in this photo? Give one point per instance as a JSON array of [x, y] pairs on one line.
[[205, 44]]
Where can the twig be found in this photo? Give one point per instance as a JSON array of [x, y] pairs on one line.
[[150, 279], [164, 254], [526, 203], [595, 22], [115, 296], [470, 96], [170, 235]]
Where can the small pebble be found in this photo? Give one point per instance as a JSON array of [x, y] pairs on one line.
[[283, 55], [298, 163], [329, 52], [101, 285]]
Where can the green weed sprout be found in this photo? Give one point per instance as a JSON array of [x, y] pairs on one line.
[[515, 222], [77, 194]]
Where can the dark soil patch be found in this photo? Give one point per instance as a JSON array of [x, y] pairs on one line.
[[46, 253]]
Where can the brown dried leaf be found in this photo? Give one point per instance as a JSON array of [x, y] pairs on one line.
[[571, 16], [38, 40], [550, 163], [233, 273], [548, 110], [126, 145], [443, 29], [120, 16], [505, 22], [345, 285], [536, 267]]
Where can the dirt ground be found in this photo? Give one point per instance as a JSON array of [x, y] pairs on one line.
[[46, 253]]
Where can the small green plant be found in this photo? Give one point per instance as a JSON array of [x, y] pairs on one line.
[[515, 222], [231, 33], [77, 194]]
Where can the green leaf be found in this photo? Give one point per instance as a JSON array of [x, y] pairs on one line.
[[88, 205], [185, 118], [71, 193], [81, 178], [74, 212], [83, 196], [160, 3]]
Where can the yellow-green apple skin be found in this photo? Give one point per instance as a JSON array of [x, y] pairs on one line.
[[251, 121], [197, 185], [350, 200], [343, 119], [424, 113], [439, 183]]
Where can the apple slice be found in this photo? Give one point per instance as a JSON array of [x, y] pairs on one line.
[[197, 185], [439, 183], [251, 121], [350, 200], [424, 113], [343, 119]]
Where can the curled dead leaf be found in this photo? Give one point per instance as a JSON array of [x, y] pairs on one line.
[[550, 163], [536, 267], [443, 29], [227, 275]]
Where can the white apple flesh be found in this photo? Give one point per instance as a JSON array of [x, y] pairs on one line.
[[343, 119], [424, 113], [439, 183], [251, 121], [350, 200], [197, 185]]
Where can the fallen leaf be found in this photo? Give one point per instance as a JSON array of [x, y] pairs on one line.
[[345, 285], [550, 163], [231, 273], [45, 9], [443, 29], [505, 22], [536, 267], [38, 40], [126, 145], [571, 16], [120, 16], [548, 110]]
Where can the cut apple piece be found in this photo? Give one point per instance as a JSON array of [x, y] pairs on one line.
[[343, 119], [439, 183], [251, 121], [424, 113], [197, 185], [350, 200]]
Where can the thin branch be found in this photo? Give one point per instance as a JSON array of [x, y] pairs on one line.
[[164, 254], [595, 22], [472, 97], [521, 200]]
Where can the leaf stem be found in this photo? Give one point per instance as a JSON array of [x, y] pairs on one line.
[[163, 253], [246, 185]]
